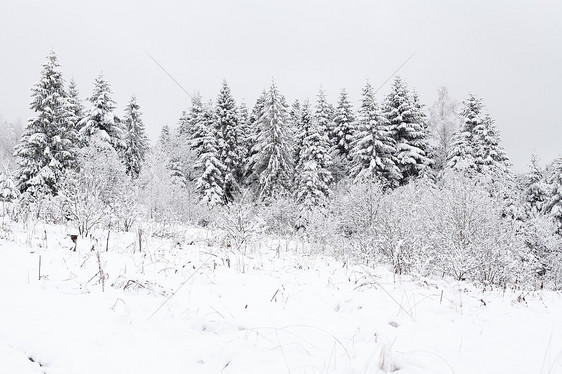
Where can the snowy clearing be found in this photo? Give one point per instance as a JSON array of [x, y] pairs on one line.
[[289, 311]]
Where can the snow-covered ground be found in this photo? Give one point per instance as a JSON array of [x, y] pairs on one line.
[[178, 307]]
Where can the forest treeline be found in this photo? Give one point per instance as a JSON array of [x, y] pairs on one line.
[[427, 192]]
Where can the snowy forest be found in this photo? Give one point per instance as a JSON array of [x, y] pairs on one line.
[[427, 190]]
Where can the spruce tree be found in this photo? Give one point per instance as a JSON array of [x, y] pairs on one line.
[[344, 126], [205, 142], [406, 120], [231, 151], [189, 119], [324, 115], [490, 156], [271, 162], [245, 131], [165, 138], [136, 141], [255, 116], [76, 106], [373, 145], [476, 146], [48, 144], [100, 120], [553, 204], [535, 187], [462, 154], [300, 130], [313, 174]]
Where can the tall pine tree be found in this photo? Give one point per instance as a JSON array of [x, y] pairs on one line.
[[271, 162], [211, 170], [313, 174], [136, 141], [406, 121], [231, 150], [373, 145], [48, 144], [100, 120], [344, 126], [462, 154]]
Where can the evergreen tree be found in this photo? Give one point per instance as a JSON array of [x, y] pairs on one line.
[[231, 151], [164, 138], [462, 154], [301, 129], [476, 146], [255, 116], [245, 129], [76, 106], [189, 119], [183, 123], [553, 205], [100, 120], [344, 126], [490, 156], [271, 162], [324, 115], [136, 141], [536, 192], [373, 145], [48, 144], [313, 174], [406, 120], [211, 170]]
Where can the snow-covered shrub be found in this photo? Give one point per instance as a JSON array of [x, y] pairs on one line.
[[281, 216], [241, 225], [400, 238], [356, 207], [545, 245], [90, 194], [470, 239]]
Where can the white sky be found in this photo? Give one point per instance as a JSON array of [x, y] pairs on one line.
[[507, 52]]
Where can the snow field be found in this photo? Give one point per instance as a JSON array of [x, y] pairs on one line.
[[290, 311]]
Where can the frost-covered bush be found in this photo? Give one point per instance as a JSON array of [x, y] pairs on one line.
[[281, 216], [98, 193], [470, 239]]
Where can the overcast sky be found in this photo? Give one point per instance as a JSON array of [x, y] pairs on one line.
[[507, 52]]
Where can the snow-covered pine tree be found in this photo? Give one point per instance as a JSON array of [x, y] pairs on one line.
[[536, 191], [183, 123], [245, 131], [491, 158], [344, 126], [313, 174], [76, 106], [205, 143], [231, 151], [257, 112], [324, 115], [164, 138], [476, 146], [100, 120], [406, 121], [553, 204], [189, 119], [300, 129], [462, 153], [136, 141], [373, 145], [271, 162], [48, 144]]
